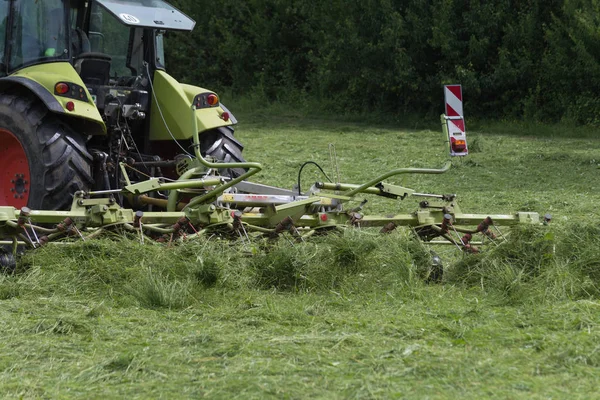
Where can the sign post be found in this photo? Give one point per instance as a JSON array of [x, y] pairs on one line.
[[453, 120]]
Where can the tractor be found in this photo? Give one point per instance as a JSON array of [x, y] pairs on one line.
[[84, 89]]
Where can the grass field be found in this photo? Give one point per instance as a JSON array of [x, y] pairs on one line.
[[346, 316]]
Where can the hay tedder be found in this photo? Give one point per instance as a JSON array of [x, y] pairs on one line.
[[95, 136]]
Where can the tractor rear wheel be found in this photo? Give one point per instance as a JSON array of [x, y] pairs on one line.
[[224, 147], [43, 161]]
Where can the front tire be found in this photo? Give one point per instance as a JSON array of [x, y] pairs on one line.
[[43, 161], [221, 145]]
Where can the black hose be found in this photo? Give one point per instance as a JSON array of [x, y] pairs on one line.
[[300, 173]]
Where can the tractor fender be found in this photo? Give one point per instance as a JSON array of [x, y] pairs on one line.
[[171, 110], [41, 80], [41, 92]]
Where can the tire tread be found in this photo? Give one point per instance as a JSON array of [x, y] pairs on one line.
[[223, 146], [65, 162]]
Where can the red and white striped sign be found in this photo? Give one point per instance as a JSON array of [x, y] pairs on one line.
[[454, 100], [455, 121]]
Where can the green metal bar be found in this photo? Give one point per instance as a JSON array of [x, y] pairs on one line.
[[351, 186], [252, 166], [172, 201], [190, 183], [125, 175], [158, 217], [395, 172], [346, 186], [445, 132], [10, 215], [157, 229], [153, 185], [258, 228], [459, 219], [296, 204]]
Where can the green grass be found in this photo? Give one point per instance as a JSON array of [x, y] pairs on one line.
[[351, 315]]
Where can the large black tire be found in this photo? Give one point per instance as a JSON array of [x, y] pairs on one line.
[[59, 163], [224, 147]]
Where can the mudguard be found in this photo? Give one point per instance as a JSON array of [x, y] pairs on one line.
[[174, 108], [41, 80]]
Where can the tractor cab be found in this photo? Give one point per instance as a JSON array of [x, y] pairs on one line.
[[115, 46], [90, 75], [119, 44], [130, 31]]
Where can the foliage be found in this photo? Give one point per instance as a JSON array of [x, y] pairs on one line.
[[538, 59]]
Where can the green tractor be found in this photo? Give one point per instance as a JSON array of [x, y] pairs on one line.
[[83, 90]]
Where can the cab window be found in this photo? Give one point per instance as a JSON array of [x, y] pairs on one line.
[[4, 6], [108, 36], [38, 32]]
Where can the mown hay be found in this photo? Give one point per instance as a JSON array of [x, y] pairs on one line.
[[559, 261], [535, 262]]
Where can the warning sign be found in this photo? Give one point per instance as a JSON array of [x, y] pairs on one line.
[[454, 120]]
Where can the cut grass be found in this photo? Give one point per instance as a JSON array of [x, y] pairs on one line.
[[437, 341], [352, 315]]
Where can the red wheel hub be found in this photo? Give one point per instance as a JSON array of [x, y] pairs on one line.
[[14, 171]]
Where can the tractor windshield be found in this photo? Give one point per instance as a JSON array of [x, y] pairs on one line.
[[38, 32], [155, 14]]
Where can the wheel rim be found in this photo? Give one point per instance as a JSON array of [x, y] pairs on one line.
[[14, 171]]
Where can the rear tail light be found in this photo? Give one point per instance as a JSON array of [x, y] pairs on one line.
[[206, 100], [458, 145], [61, 88], [212, 99], [72, 91]]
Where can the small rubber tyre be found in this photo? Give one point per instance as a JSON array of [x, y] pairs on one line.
[[221, 145], [7, 260], [43, 162]]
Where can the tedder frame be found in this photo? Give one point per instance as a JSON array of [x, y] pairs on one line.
[[201, 201]]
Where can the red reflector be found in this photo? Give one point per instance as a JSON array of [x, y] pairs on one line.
[[458, 145], [70, 106], [61, 88], [323, 217], [225, 116], [212, 99]]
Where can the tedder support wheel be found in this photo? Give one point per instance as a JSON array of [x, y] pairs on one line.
[[223, 146], [42, 160]]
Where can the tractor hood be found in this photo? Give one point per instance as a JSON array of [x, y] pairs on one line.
[[155, 14]]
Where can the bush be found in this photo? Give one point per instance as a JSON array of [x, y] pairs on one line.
[[535, 60]]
